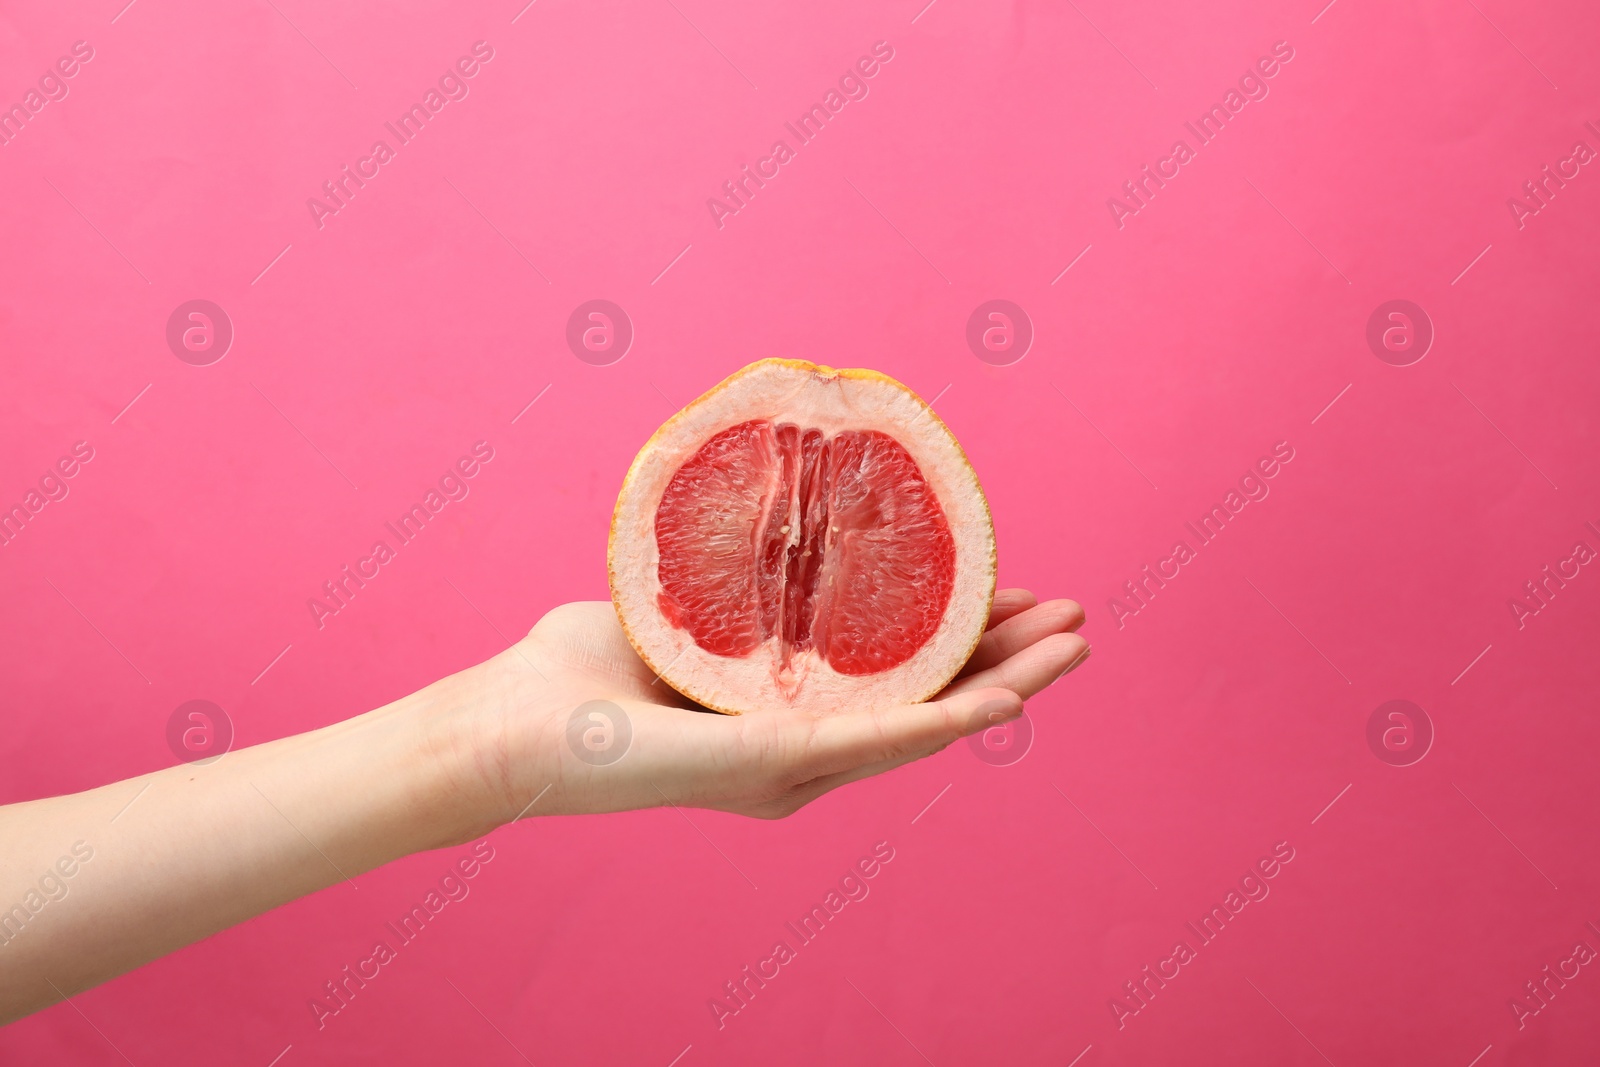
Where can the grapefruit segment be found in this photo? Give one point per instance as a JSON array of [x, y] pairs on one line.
[[803, 537], [829, 543]]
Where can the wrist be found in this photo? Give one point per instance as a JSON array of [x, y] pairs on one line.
[[462, 755]]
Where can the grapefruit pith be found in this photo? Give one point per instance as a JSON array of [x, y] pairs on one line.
[[803, 537]]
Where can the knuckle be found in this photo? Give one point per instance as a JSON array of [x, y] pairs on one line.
[[809, 749], [790, 761], [552, 620]]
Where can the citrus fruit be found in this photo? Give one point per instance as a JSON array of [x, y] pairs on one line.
[[803, 537]]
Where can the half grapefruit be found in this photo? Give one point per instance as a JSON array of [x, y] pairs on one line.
[[805, 538]]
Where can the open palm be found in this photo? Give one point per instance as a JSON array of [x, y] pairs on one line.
[[647, 745]]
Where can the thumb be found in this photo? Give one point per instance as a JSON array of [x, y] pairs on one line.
[[975, 711], [910, 731]]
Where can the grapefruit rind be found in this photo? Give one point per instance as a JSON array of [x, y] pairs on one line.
[[829, 399]]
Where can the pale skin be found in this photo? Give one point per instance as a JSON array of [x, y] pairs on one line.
[[201, 848]]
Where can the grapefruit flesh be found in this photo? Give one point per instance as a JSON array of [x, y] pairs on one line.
[[803, 538], [833, 543]]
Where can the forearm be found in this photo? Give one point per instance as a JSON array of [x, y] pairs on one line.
[[166, 859]]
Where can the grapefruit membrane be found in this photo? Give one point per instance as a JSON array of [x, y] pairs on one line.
[[802, 537]]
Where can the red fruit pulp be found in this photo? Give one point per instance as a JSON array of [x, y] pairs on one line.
[[833, 543]]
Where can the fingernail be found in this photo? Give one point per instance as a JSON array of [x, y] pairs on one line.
[[1074, 664], [1007, 713], [993, 713]]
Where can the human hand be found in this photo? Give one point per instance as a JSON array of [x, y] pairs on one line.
[[766, 765], [449, 763]]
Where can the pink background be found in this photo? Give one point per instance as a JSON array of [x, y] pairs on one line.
[[1222, 318]]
